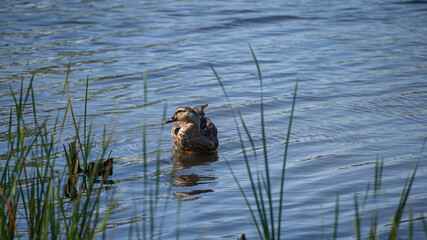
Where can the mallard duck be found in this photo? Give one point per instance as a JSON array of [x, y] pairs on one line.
[[194, 132]]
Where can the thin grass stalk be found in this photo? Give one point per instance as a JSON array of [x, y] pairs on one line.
[[337, 209], [75, 124], [157, 187], [248, 134], [144, 154], [234, 114], [72, 233], [243, 194], [424, 144], [94, 208], [25, 206], [263, 216], [378, 176], [378, 173], [93, 174], [30, 87], [259, 201], [130, 229], [99, 227], [62, 210], [166, 204], [84, 225], [365, 199], [152, 210], [285, 157], [68, 104], [401, 206], [12, 219], [4, 180], [424, 223], [41, 224], [96, 228], [30, 226], [23, 168], [57, 200], [264, 144], [357, 218], [373, 228], [9, 146], [251, 180], [81, 215], [86, 140], [178, 222], [85, 112], [411, 223], [47, 209]]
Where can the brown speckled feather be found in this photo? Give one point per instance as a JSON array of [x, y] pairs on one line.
[[187, 137]]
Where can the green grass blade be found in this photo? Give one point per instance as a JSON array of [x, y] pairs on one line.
[[357, 219], [401, 206], [75, 124], [424, 224], [251, 211], [337, 209], [85, 140], [285, 156], [424, 144], [264, 144], [248, 168], [411, 223]]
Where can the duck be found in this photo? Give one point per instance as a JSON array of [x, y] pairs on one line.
[[193, 132]]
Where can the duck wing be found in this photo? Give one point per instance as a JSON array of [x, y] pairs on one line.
[[210, 132], [199, 109]]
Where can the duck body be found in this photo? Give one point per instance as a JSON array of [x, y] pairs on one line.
[[193, 131]]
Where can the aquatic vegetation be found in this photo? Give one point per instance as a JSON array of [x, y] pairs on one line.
[[267, 216], [36, 201], [153, 226], [266, 213]]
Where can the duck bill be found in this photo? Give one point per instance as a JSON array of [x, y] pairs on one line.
[[172, 119]]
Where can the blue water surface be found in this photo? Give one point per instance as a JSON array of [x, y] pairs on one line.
[[361, 98]]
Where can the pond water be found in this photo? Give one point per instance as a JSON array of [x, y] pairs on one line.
[[362, 97]]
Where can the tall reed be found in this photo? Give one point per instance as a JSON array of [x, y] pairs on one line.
[[153, 225], [267, 219]]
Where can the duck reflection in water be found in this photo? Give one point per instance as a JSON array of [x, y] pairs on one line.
[[183, 178]]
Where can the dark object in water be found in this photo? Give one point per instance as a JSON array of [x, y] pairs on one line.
[[102, 168], [242, 237], [72, 157], [70, 188]]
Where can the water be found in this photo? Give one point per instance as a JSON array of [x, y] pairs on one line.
[[362, 96]]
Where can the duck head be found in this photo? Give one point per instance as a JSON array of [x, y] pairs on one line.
[[185, 114]]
